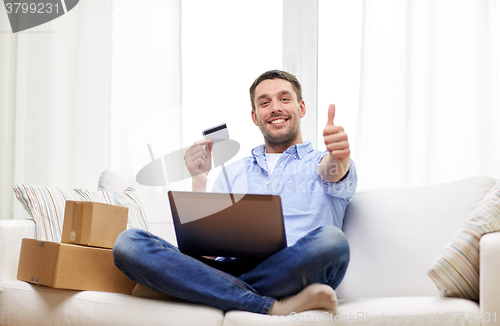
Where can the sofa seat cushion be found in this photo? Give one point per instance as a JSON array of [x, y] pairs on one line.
[[26, 304], [416, 311]]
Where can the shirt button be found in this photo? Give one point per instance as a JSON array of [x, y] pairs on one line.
[[267, 183], [295, 156]]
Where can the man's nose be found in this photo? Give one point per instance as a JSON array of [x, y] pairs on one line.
[[276, 107]]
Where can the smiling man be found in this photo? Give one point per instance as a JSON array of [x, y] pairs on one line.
[[277, 111], [314, 187]]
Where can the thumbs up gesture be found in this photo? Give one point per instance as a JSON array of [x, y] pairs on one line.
[[335, 165], [335, 138]]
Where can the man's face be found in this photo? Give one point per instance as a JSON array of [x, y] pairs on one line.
[[277, 111]]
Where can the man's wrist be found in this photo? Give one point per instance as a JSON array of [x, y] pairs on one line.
[[199, 182], [333, 171]]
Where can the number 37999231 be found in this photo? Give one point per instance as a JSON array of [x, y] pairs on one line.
[[33, 8]]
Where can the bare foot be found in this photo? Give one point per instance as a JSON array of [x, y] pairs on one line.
[[314, 296]]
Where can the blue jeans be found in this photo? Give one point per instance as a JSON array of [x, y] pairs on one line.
[[321, 256]]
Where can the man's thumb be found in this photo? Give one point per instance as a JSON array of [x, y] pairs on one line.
[[331, 114]]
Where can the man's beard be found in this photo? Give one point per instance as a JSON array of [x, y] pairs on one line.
[[280, 140]]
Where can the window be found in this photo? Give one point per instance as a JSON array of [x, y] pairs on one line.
[[339, 37], [225, 46]]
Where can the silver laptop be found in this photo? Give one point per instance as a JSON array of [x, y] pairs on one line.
[[228, 225]]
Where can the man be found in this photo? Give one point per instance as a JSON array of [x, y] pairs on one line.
[[314, 187]]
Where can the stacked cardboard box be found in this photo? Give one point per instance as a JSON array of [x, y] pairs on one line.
[[84, 259]]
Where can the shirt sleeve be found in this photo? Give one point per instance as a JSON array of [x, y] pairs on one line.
[[344, 188]]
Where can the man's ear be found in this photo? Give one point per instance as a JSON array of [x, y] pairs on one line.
[[302, 109], [254, 118]]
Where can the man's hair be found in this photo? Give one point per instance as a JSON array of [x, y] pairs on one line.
[[273, 74]]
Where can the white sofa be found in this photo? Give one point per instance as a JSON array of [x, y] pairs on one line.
[[394, 234]]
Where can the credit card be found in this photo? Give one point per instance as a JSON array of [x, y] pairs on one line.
[[217, 133]]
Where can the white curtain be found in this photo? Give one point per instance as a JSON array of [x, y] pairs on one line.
[[339, 48], [90, 90], [183, 68], [54, 102], [428, 109]]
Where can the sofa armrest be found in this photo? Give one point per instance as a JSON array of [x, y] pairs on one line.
[[489, 284], [11, 234]]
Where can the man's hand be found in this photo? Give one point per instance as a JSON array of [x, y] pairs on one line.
[[198, 159], [334, 165]]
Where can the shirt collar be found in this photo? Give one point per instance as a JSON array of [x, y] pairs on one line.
[[300, 149]]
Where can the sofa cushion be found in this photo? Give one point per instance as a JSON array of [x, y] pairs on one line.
[[396, 234], [24, 304], [46, 206], [373, 312], [456, 271]]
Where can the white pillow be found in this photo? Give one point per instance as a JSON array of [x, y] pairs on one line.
[[154, 200], [46, 206]]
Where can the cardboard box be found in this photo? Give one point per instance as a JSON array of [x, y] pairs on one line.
[[93, 224], [74, 267]]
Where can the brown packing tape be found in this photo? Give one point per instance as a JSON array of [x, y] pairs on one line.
[[72, 237], [77, 209], [81, 210], [68, 223]]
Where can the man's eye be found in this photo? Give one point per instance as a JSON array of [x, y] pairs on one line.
[[264, 103], [285, 99]]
